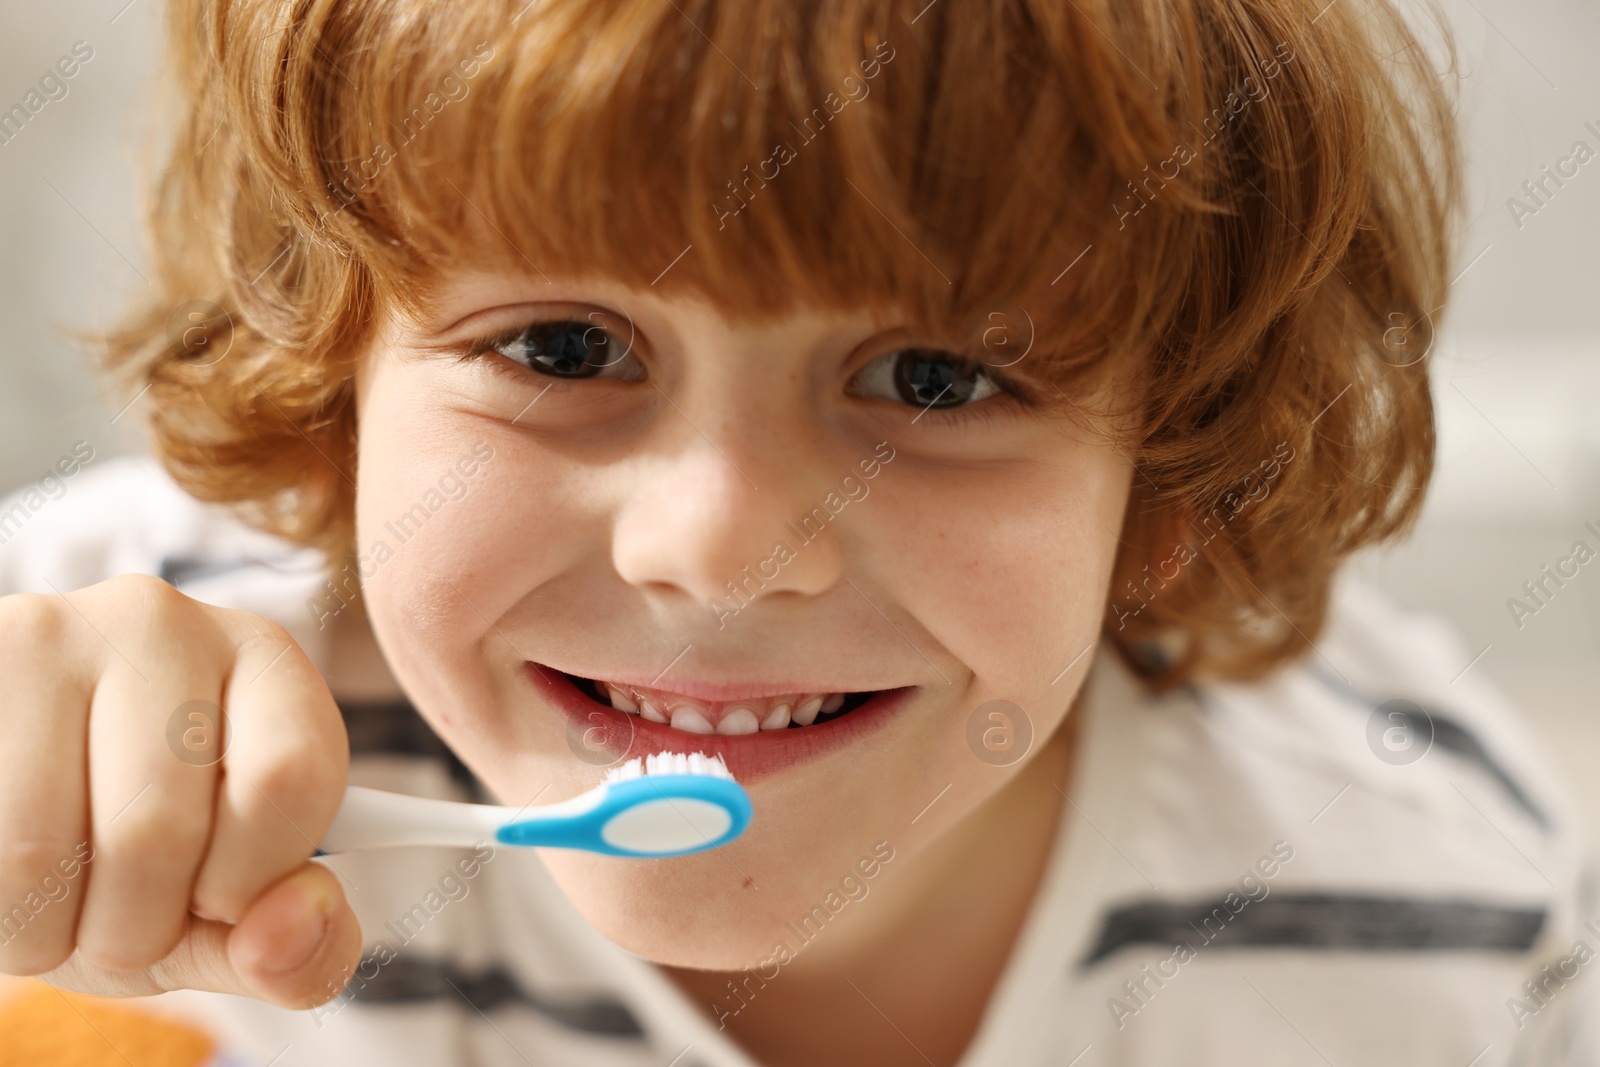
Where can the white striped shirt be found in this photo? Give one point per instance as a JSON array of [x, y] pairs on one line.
[[1237, 878]]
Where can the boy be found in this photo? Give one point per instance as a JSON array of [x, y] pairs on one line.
[[953, 415]]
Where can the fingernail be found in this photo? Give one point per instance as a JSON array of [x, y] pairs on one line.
[[301, 941]]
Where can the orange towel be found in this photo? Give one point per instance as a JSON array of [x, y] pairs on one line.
[[41, 1026]]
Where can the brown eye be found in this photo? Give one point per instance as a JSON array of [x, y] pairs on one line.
[[926, 377], [562, 349], [566, 348]]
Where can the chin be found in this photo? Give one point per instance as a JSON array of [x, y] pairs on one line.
[[697, 913], [829, 811]]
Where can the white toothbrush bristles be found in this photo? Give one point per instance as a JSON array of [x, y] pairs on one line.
[[670, 763]]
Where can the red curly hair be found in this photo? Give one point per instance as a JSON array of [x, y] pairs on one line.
[[1246, 205]]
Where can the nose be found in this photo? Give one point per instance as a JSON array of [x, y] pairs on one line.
[[727, 520]]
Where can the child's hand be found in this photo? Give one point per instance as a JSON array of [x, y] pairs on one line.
[[127, 812]]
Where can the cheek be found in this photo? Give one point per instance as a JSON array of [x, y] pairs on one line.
[[455, 565], [1009, 571], [441, 574], [500, 537]]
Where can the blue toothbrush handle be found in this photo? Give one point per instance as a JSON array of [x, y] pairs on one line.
[[654, 815]]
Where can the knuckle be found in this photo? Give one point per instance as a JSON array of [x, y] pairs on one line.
[[35, 872], [157, 835], [267, 638], [152, 601], [273, 642], [298, 781], [260, 630], [31, 621]]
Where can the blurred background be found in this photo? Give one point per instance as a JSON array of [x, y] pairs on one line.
[[1517, 368]]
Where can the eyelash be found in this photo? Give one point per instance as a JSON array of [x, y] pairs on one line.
[[484, 351], [1011, 394]]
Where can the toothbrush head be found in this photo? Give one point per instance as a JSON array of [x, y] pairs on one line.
[[666, 804], [670, 763]]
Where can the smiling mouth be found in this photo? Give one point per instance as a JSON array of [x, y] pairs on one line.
[[599, 733], [688, 715]]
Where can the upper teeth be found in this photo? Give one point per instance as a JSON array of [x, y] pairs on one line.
[[736, 717], [805, 713]]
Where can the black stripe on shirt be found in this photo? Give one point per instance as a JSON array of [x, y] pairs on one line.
[[1334, 921], [1451, 736], [177, 570], [394, 727], [411, 980]]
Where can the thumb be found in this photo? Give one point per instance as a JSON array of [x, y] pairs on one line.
[[295, 946], [299, 942]]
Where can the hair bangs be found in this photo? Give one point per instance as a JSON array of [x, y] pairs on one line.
[[939, 167]]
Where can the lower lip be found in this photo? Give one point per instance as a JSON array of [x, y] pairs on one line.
[[597, 729]]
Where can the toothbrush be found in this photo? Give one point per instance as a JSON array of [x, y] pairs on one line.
[[668, 804]]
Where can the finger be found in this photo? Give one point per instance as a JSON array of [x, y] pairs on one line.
[[299, 942], [150, 808], [286, 769], [43, 813], [304, 915]]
